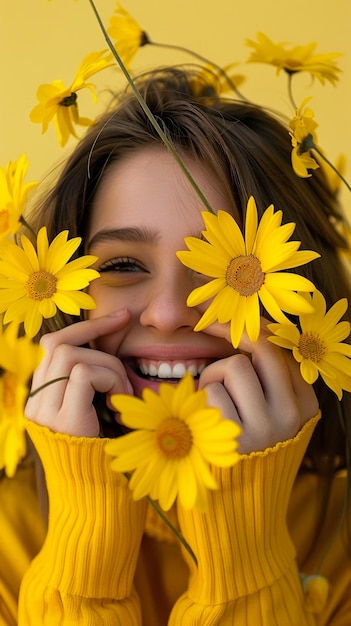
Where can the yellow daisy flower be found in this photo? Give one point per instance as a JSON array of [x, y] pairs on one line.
[[127, 35], [34, 284], [247, 271], [318, 346], [19, 357], [296, 59], [178, 436], [303, 139], [13, 195], [58, 103]]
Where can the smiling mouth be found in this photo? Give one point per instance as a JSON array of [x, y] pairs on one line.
[[172, 371]]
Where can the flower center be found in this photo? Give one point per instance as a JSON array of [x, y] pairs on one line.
[[306, 144], [245, 275], [69, 101], [4, 221], [41, 285], [312, 347], [174, 438]]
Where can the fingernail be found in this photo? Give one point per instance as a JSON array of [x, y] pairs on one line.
[[119, 313]]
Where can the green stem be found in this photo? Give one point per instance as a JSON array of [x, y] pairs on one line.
[[174, 530], [290, 93], [314, 147], [149, 114], [27, 225], [198, 56], [50, 382]]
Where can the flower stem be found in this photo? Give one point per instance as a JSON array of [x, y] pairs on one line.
[[290, 93], [27, 225], [314, 147], [198, 56], [50, 382], [165, 519], [149, 114]]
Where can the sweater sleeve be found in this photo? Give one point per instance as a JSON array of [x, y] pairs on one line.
[[247, 573], [85, 570]]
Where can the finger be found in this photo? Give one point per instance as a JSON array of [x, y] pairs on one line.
[[76, 335], [268, 362], [87, 331], [280, 377], [242, 387], [254, 436], [63, 361], [304, 392], [78, 415], [218, 330]]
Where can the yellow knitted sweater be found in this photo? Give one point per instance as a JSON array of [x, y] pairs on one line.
[[263, 558]]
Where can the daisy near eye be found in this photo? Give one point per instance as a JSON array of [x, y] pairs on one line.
[[35, 283], [175, 439], [247, 270]]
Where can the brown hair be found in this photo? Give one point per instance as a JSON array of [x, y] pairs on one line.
[[249, 149]]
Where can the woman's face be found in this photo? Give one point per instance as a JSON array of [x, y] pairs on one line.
[[144, 208]]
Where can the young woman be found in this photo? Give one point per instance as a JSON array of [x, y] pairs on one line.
[[276, 529]]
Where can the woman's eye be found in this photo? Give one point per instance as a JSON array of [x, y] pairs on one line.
[[123, 264]]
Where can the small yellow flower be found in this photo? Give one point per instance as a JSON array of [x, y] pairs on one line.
[[247, 271], [13, 195], [303, 139], [58, 103], [178, 437], [34, 284], [19, 357], [332, 176], [210, 81], [318, 346], [127, 35], [296, 59]]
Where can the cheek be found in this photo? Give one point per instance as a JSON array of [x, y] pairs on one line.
[[107, 299]]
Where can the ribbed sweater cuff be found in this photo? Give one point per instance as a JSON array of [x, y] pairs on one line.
[[95, 527], [242, 542]]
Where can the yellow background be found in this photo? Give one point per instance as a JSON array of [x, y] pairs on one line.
[[42, 41]]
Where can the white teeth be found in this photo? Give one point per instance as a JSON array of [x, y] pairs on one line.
[[179, 370], [153, 371], [166, 370]]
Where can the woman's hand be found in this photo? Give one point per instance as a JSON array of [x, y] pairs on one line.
[[261, 389], [67, 405]]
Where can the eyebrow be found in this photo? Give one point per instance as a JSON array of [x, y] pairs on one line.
[[141, 235]]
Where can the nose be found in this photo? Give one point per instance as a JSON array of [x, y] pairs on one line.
[[166, 309]]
